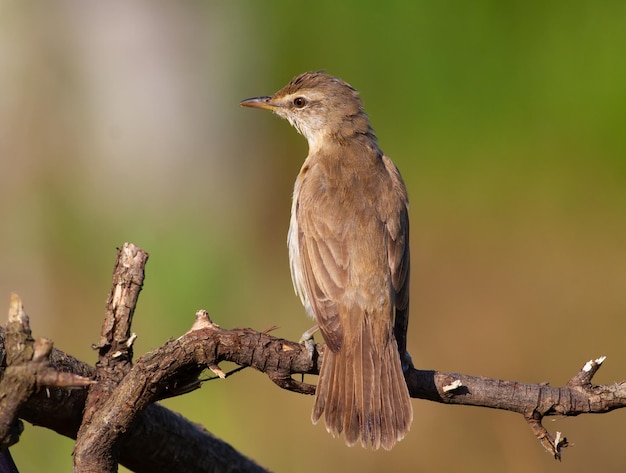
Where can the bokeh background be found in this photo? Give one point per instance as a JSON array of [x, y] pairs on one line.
[[119, 121]]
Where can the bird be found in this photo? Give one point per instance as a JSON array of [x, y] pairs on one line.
[[348, 245]]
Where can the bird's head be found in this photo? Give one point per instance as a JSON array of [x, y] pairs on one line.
[[319, 106]]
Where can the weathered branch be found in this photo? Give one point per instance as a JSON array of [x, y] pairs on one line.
[[115, 415], [124, 418], [533, 401], [98, 449], [207, 344], [157, 372], [159, 440], [27, 370]]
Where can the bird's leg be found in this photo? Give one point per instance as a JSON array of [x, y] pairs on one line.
[[308, 335], [308, 341]]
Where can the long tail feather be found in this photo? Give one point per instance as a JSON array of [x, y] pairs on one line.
[[362, 391]]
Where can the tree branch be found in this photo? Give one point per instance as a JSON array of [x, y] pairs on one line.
[[124, 421], [98, 449], [27, 369]]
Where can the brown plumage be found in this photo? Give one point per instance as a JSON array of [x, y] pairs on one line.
[[349, 253]]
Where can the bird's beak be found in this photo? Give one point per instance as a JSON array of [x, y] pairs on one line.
[[259, 102]]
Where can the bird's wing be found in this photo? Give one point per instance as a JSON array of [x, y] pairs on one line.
[[397, 226], [327, 233], [324, 265]]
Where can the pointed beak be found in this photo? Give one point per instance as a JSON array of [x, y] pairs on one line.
[[259, 102]]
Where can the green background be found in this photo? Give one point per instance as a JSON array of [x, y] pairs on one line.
[[119, 121]]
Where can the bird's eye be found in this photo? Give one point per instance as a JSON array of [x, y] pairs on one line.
[[299, 102]]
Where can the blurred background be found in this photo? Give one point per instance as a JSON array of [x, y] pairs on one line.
[[119, 121]]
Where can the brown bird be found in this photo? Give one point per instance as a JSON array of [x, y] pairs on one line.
[[349, 253]]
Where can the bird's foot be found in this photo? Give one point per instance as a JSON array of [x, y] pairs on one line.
[[308, 335], [307, 340]]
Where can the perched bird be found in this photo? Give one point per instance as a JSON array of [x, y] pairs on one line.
[[349, 254]]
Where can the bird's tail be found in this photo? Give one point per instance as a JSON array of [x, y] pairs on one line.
[[362, 391]]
